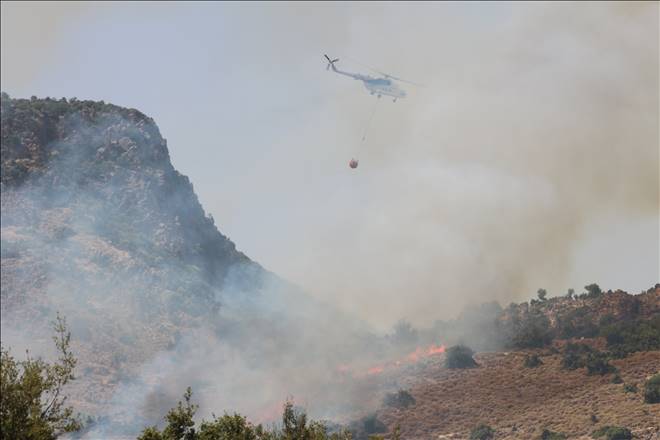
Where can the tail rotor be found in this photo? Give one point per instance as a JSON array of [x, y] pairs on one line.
[[331, 63]]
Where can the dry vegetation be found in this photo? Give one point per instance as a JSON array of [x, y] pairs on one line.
[[520, 402]]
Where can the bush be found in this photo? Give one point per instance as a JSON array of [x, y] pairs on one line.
[[597, 363], [575, 356], [629, 337], [532, 332], [630, 388], [571, 361], [581, 355], [460, 356], [577, 323], [532, 361], [550, 435], [612, 433], [652, 390], [617, 379], [482, 432], [400, 399]]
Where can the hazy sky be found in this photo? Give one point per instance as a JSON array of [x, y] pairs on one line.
[[530, 159]]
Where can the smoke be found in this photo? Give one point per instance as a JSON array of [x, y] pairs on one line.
[[538, 122], [105, 231], [538, 125]]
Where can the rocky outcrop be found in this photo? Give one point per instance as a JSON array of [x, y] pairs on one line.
[[98, 225], [83, 162]]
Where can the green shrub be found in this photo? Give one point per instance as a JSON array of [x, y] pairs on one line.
[[532, 361], [533, 331], [612, 433], [652, 390], [597, 363], [482, 432], [617, 379], [630, 388], [550, 435], [631, 336], [460, 356], [575, 356], [571, 361], [577, 323], [581, 355], [400, 399]]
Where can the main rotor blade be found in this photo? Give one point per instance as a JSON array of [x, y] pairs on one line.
[[327, 58], [386, 74], [404, 80]]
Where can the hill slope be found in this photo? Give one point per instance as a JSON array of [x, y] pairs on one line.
[[98, 225], [519, 402]]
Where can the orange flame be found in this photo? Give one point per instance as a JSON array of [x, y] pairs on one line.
[[375, 370], [433, 349], [413, 357]]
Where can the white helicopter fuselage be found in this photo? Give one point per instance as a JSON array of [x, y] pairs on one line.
[[376, 86], [384, 86]]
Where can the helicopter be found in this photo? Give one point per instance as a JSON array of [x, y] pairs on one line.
[[376, 86]]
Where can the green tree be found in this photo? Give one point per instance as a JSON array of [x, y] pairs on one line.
[[593, 290], [227, 427], [180, 422], [542, 293], [32, 405], [181, 426]]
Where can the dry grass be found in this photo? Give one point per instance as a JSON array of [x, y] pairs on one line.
[[520, 402]]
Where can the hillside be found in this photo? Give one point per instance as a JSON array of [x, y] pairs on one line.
[[519, 402], [98, 225]]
